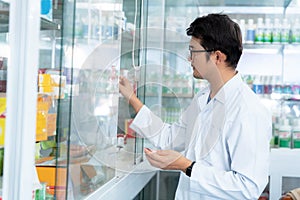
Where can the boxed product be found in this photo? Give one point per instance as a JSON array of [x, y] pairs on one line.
[[3, 63], [54, 178], [2, 117], [46, 9], [41, 121]]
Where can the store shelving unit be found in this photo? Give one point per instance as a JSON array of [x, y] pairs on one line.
[[46, 24]]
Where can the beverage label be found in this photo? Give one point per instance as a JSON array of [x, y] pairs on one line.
[[259, 36], [258, 89], [267, 36], [250, 36], [285, 36], [296, 139], [276, 36]]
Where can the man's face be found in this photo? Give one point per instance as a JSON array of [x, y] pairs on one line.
[[198, 59]]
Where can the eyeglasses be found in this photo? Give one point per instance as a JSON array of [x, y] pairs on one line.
[[199, 51]]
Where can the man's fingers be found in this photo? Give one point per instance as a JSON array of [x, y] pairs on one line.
[[154, 156], [169, 153], [154, 162], [123, 80], [147, 150]]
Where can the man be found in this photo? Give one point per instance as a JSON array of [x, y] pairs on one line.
[[224, 134]]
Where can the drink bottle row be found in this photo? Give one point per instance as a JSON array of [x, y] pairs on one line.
[[270, 31], [286, 132], [272, 86], [285, 114]]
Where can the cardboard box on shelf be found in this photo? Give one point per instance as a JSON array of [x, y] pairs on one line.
[[54, 177], [46, 89], [44, 80], [86, 177], [2, 117], [46, 9], [41, 121], [3, 85], [3, 62], [128, 131], [45, 98], [51, 124], [2, 131]]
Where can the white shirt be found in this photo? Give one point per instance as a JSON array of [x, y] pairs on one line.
[[228, 138]]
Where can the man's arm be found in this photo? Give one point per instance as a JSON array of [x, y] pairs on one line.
[[167, 159], [128, 92], [147, 124]]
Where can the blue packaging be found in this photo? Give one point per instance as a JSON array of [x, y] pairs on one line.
[[46, 9]]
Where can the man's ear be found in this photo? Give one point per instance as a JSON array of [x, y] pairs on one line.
[[219, 56]]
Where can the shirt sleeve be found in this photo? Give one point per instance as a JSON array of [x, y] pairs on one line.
[[247, 143], [162, 135]]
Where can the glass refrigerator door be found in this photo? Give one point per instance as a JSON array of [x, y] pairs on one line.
[[78, 89], [168, 84], [92, 66], [52, 123], [78, 92]]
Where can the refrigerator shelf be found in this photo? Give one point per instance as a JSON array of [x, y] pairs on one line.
[[4, 20]]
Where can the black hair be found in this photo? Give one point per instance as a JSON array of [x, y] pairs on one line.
[[218, 32]]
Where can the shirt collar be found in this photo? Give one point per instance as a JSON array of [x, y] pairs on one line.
[[202, 97], [229, 88]]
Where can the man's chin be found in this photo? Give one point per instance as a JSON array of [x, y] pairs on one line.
[[197, 76]]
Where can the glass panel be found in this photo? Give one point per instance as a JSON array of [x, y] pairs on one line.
[[92, 67], [80, 56], [271, 44], [51, 130], [168, 75], [131, 66]]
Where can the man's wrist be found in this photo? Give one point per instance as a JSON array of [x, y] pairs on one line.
[[185, 165], [189, 169], [135, 103]]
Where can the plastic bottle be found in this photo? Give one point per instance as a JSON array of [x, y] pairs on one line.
[[250, 33], [242, 25], [276, 34], [276, 85], [268, 29], [267, 85], [296, 134], [259, 32], [284, 133], [41, 193], [275, 125], [287, 89], [296, 32], [258, 87], [285, 32]]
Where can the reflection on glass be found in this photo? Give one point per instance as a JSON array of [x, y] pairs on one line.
[[94, 69]]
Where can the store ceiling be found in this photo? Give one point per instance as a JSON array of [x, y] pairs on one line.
[[244, 3]]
